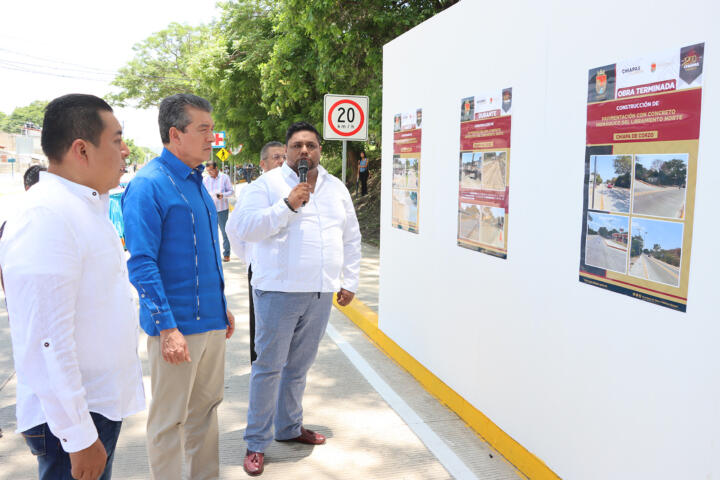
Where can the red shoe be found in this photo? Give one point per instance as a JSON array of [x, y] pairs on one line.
[[254, 463], [307, 437]]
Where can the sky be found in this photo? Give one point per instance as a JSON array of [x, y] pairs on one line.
[[88, 40], [666, 234], [608, 221], [605, 166]]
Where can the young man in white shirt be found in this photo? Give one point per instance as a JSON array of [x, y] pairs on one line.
[[307, 246], [72, 315], [220, 188]]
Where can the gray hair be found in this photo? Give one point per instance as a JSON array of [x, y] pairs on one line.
[[268, 146], [174, 114]]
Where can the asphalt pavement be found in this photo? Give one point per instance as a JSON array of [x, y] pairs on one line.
[[658, 201], [656, 270], [599, 253]]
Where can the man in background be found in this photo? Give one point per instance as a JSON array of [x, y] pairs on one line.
[[72, 315], [171, 234], [220, 188], [272, 156], [32, 176]]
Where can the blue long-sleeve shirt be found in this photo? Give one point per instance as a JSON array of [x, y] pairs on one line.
[[171, 234]]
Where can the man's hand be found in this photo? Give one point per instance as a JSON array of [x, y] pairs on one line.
[[231, 325], [174, 347], [344, 297], [89, 464], [299, 195]]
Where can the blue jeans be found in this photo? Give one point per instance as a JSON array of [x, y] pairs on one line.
[[222, 220], [54, 462], [288, 330]]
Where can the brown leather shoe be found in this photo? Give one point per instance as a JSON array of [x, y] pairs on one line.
[[254, 463], [226, 258], [307, 437]]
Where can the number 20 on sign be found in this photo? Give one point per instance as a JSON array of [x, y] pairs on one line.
[[345, 117]]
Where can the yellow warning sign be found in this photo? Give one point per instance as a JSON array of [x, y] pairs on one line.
[[223, 154]]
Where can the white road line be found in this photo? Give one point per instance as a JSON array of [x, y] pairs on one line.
[[442, 452]]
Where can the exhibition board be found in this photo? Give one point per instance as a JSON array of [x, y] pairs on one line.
[[595, 383]]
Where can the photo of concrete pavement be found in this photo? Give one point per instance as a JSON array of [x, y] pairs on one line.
[[609, 183], [405, 172], [606, 243], [470, 170], [494, 170], [482, 224], [656, 250], [404, 208], [659, 185]]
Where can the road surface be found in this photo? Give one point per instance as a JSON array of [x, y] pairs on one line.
[[600, 253], [655, 270], [658, 201], [493, 174], [491, 235], [469, 226], [609, 199]]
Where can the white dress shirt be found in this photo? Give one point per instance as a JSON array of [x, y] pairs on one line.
[[220, 184], [73, 319], [243, 250], [316, 249]]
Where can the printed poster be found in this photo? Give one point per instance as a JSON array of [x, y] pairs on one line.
[[643, 126], [484, 167], [407, 128]]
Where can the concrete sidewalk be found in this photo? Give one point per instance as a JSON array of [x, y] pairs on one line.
[[367, 438]]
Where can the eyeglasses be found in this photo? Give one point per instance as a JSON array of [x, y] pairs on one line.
[[278, 156], [311, 146]]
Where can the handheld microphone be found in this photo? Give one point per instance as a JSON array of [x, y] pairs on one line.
[[302, 170]]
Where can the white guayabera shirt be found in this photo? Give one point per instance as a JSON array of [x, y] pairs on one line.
[[316, 249], [72, 315]]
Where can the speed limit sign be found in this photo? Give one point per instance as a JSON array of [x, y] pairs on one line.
[[346, 117]]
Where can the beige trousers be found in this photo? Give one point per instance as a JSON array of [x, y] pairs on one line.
[[183, 410]]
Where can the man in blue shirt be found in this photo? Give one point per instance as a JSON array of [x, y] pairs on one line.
[[171, 233]]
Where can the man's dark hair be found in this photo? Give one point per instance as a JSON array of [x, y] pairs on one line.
[[268, 146], [299, 127], [211, 164], [32, 175], [68, 118], [173, 113]]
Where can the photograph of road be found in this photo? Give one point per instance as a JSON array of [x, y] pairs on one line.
[[405, 209], [660, 185], [609, 183], [405, 172], [607, 241], [470, 169], [483, 224], [656, 250], [494, 167], [469, 221]]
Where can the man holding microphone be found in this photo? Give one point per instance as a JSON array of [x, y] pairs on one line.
[[307, 247]]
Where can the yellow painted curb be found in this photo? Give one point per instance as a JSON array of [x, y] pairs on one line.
[[516, 454]]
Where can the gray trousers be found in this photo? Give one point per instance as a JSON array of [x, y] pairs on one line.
[[288, 330]]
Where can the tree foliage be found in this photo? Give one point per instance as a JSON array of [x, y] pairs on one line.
[[138, 154], [33, 113], [162, 66], [266, 64]]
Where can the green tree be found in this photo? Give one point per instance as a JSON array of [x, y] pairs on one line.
[[673, 172], [3, 116], [162, 66], [33, 113], [636, 245], [138, 154]]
